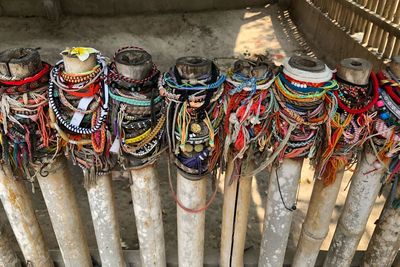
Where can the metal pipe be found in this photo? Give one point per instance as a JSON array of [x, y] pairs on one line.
[[21, 215], [192, 194], [147, 207], [64, 214], [106, 227], [316, 224], [283, 184], [360, 200]]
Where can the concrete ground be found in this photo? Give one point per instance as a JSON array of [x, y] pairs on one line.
[[221, 35]]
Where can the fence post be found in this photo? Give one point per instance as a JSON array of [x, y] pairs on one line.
[[234, 214], [278, 218], [137, 64], [323, 198], [8, 257], [147, 207], [191, 226], [22, 63], [62, 206], [362, 194], [316, 224], [105, 221], [385, 241], [100, 194]]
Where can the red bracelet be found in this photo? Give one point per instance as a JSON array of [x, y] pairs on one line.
[[370, 104], [37, 76], [93, 89], [385, 82]]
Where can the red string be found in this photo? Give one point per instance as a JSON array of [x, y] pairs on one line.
[[387, 87], [37, 76], [370, 104]]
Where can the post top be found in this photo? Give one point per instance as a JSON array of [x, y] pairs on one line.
[[20, 63], [134, 63], [355, 70], [193, 67]]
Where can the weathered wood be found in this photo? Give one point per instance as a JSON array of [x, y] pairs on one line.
[[355, 70], [191, 226], [385, 241], [73, 64], [105, 222], [364, 188], [283, 183], [64, 214], [20, 62], [134, 64], [237, 193], [8, 257], [148, 215], [21, 215], [193, 67], [316, 224]]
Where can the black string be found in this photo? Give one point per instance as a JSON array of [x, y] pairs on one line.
[[293, 208]]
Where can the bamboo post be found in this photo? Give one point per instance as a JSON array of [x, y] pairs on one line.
[[385, 241], [21, 63], [362, 194], [147, 207], [105, 221], [281, 195], [323, 198], [191, 192], [8, 257], [145, 189], [191, 226], [64, 214], [100, 194], [316, 224], [234, 215]]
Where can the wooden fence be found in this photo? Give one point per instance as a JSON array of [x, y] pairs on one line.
[[374, 23]]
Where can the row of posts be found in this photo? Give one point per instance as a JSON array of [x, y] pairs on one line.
[[62, 206]]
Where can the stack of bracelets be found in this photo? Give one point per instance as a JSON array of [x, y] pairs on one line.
[[195, 113], [79, 104], [137, 114], [387, 125], [350, 127], [303, 106], [27, 142], [249, 104]]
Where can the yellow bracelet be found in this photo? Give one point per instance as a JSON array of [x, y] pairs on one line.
[[138, 138]]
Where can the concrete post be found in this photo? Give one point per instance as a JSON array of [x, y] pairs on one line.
[[316, 224], [147, 207], [64, 214], [21, 63], [362, 194], [281, 197], [145, 189], [323, 199], [8, 258], [234, 215], [105, 221], [192, 194]]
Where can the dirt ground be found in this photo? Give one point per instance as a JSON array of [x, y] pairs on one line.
[[220, 35]]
